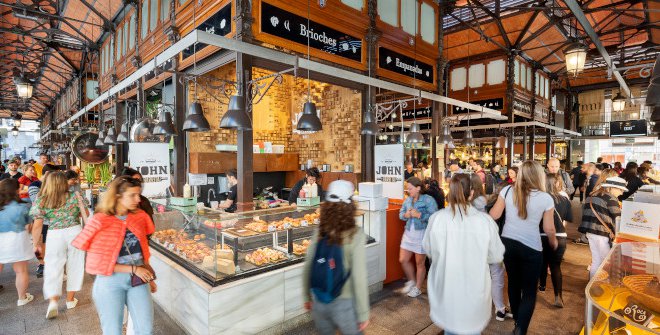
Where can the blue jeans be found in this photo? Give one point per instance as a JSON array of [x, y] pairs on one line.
[[112, 293]]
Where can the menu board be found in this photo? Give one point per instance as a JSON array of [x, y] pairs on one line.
[[152, 160], [388, 160]]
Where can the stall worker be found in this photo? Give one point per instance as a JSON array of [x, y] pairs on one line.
[[409, 172], [229, 205], [312, 177]]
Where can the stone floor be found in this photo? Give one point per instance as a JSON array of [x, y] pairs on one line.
[[391, 313]]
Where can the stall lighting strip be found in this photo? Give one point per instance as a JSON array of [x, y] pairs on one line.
[[518, 124], [198, 36]]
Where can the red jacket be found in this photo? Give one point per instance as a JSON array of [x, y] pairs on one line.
[[103, 237]]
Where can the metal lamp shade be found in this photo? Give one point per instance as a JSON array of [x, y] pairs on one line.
[[414, 136], [195, 121], [165, 126], [446, 137], [123, 134], [369, 127], [236, 117], [309, 121], [468, 140], [111, 137], [99, 140]]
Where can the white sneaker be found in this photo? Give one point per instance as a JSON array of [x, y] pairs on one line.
[[407, 287], [52, 310], [71, 304], [22, 302], [414, 292]]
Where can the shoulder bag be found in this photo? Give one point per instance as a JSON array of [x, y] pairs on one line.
[[609, 231], [135, 279]]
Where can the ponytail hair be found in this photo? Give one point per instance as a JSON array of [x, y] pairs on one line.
[[459, 192]]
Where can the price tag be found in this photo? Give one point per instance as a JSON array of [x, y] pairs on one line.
[[638, 313]]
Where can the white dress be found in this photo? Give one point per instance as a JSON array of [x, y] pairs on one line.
[[15, 247]]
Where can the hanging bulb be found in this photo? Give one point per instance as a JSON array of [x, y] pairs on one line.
[[195, 121], [390, 127], [236, 117], [111, 137], [309, 121], [165, 126]]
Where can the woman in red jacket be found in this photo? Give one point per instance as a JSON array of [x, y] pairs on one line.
[[115, 239]]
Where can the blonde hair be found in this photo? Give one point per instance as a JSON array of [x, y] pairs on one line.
[[530, 177], [28, 167], [55, 191], [108, 202]]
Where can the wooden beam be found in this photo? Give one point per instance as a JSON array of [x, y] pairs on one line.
[[525, 29], [480, 32], [497, 21]]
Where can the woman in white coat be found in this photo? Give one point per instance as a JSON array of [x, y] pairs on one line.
[[462, 242]]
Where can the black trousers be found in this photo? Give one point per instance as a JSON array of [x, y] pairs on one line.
[[523, 265], [577, 189], [552, 259]]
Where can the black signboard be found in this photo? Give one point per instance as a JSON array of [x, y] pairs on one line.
[[407, 66], [281, 23], [420, 113], [497, 104], [218, 24], [629, 128]]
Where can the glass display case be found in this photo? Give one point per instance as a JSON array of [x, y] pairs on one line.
[[624, 295], [221, 247]]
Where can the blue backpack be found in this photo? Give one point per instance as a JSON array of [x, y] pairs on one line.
[[328, 276]]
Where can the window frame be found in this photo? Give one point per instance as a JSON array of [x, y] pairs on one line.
[[418, 34]]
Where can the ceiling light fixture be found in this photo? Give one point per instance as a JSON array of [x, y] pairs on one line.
[[123, 133], [24, 87], [618, 102], [414, 136], [111, 137], [309, 120], [195, 121], [165, 126], [14, 131], [236, 117]]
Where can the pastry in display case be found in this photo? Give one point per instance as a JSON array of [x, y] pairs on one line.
[[221, 247], [624, 295]]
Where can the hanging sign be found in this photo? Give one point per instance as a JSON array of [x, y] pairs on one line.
[[629, 128], [407, 66], [152, 160], [522, 108], [412, 114], [218, 24], [637, 219], [541, 114], [388, 160], [497, 104], [280, 23]]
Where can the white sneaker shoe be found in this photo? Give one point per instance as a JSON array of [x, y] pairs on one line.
[[414, 292], [71, 304], [52, 310], [407, 287], [22, 302]]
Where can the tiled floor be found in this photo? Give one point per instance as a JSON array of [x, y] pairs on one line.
[[391, 313]]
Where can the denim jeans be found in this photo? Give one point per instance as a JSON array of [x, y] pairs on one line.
[[112, 293], [336, 315]]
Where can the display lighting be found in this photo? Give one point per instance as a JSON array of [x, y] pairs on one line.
[[446, 137], [236, 117], [309, 121], [369, 127], [99, 141], [165, 126], [111, 137], [195, 121], [468, 139], [123, 134], [414, 136]]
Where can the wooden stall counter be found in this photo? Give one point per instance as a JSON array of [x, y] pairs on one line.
[[395, 229]]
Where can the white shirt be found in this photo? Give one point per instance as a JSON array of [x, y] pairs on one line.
[[461, 247], [526, 231]]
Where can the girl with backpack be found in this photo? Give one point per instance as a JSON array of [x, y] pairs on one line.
[[461, 242], [335, 270]]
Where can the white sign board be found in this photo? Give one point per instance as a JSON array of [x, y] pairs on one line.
[[388, 161], [195, 179], [640, 219], [152, 160]]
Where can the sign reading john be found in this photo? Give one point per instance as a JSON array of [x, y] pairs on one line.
[[152, 160], [388, 160], [281, 23]]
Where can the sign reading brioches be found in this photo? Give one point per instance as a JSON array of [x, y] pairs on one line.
[[280, 23], [388, 161], [152, 160]]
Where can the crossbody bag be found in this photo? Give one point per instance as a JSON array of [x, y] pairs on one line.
[[609, 231], [135, 279]]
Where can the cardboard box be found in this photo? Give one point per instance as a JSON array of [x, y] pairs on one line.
[[371, 204], [370, 190]]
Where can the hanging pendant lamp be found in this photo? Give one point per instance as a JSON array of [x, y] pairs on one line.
[[236, 117], [165, 126], [123, 134], [468, 140], [111, 137], [618, 103], [575, 56], [195, 121], [369, 127], [309, 120], [446, 137], [414, 136], [99, 140]]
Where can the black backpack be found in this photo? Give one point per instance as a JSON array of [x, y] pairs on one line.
[[502, 220], [328, 271]]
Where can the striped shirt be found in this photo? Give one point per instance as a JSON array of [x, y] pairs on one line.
[[608, 209]]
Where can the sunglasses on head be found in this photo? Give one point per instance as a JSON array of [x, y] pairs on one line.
[[130, 180]]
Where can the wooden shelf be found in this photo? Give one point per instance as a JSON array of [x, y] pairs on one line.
[[221, 162]]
